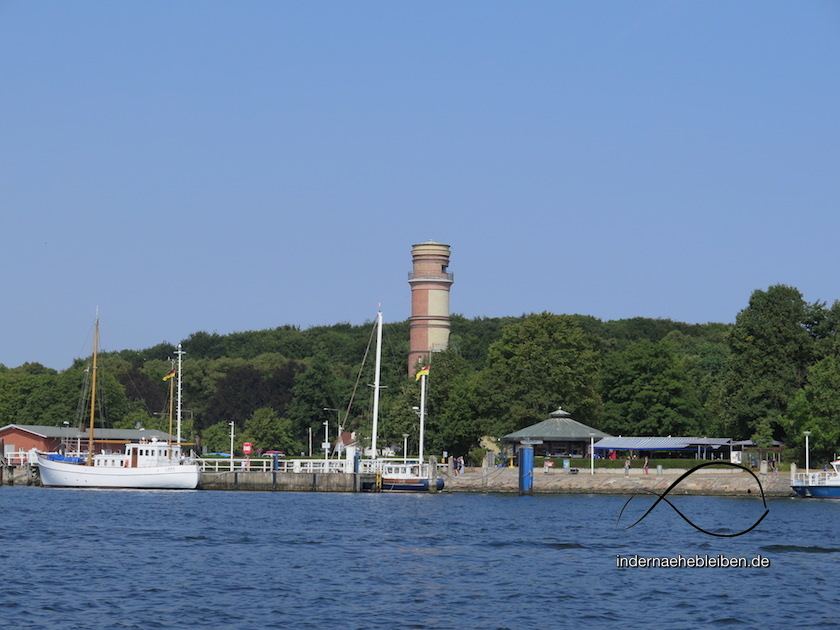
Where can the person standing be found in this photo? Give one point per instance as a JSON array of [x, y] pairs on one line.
[[646, 465], [627, 466]]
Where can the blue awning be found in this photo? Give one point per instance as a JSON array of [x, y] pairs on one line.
[[659, 443]]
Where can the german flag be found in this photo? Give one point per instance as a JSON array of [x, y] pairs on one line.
[[424, 371], [170, 375]]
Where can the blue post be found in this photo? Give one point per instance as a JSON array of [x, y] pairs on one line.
[[275, 466], [526, 470], [356, 459]]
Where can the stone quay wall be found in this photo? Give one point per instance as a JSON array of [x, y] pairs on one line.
[[501, 480], [706, 482], [280, 481]]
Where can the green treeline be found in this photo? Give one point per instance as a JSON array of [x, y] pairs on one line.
[[771, 375]]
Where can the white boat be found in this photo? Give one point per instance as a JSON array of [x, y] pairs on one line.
[[156, 464], [408, 477], [152, 465], [822, 485]]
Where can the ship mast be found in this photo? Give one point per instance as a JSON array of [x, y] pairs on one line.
[[171, 409], [376, 383], [93, 389], [178, 413]]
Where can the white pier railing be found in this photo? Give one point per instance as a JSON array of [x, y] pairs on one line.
[[306, 465], [16, 458], [283, 465]]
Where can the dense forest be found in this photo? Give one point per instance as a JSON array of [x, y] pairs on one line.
[[769, 376]]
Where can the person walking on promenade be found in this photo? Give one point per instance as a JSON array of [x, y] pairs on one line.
[[627, 466], [646, 465]]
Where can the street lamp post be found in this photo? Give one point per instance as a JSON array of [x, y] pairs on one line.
[[338, 424], [591, 453], [405, 448], [231, 445], [807, 451], [326, 439]]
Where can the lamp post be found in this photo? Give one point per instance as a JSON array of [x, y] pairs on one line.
[[338, 424], [591, 453], [326, 439], [231, 445], [807, 451], [405, 448]]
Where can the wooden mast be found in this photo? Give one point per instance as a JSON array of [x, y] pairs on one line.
[[93, 390]]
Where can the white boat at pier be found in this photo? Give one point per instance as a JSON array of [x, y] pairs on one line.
[[155, 464], [821, 485]]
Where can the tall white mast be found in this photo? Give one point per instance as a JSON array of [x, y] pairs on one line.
[[178, 409], [376, 382], [422, 413]]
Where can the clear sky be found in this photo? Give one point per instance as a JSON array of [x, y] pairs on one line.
[[201, 165]]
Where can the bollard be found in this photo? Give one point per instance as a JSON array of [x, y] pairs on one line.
[[526, 470], [659, 470]]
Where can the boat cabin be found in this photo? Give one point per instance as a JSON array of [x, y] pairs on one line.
[[142, 455], [404, 471]]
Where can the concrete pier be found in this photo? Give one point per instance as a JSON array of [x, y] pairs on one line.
[[725, 482], [20, 475], [280, 481]]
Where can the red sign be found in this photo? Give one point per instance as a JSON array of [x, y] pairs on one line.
[[246, 448]]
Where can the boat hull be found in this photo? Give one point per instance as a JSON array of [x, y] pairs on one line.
[[68, 475], [411, 485], [818, 492]]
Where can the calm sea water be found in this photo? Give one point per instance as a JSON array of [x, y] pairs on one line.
[[200, 559]]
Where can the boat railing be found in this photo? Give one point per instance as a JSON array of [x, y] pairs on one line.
[[813, 478], [371, 466]]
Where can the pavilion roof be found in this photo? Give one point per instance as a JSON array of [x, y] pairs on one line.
[[558, 427]]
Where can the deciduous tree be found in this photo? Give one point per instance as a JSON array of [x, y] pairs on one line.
[[539, 363], [646, 391], [771, 350]]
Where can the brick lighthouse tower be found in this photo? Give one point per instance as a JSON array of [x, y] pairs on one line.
[[429, 321]]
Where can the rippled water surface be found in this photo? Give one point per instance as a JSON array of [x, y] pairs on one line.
[[201, 559]]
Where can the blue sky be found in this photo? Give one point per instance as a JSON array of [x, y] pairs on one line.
[[230, 166]]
